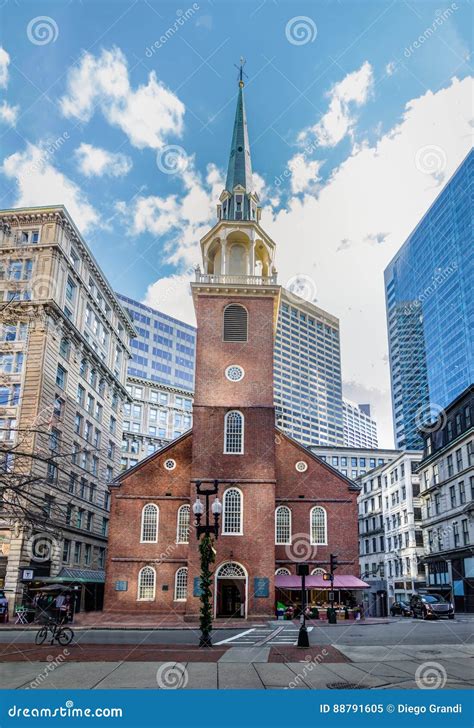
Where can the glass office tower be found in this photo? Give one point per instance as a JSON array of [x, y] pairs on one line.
[[429, 288], [164, 350]]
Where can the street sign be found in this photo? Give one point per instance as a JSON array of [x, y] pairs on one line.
[[28, 574], [331, 596]]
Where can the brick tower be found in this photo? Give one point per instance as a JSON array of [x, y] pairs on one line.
[[236, 301]]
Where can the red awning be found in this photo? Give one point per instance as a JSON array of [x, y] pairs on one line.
[[291, 581]]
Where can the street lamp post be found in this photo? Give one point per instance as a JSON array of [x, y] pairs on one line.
[[303, 571], [207, 553]]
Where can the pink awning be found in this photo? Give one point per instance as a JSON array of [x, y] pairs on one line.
[[342, 581]]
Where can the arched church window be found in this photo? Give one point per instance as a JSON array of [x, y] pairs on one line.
[[232, 512], [235, 322], [318, 526], [149, 530], [234, 433], [181, 584], [146, 584], [182, 535], [282, 525]]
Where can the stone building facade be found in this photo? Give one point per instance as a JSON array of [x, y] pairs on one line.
[[447, 493], [64, 349]]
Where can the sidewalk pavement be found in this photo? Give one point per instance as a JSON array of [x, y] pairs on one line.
[[98, 620], [414, 667]]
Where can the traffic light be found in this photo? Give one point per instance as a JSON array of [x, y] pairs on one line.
[[333, 562], [327, 577]]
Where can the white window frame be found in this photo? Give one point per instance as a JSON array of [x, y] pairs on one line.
[[181, 570], [242, 437], [157, 511], [279, 542], [313, 541], [179, 526], [282, 571], [139, 584], [224, 508]]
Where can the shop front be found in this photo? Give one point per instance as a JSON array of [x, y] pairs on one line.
[[84, 588], [345, 594]]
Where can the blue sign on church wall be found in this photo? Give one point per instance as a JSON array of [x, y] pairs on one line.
[[121, 585], [197, 586], [261, 586]]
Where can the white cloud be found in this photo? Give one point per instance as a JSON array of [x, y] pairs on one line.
[[184, 218], [346, 95], [172, 295], [390, 68], [147, 115], [96, 162], [40, 183], [4, 63], [304, 174], [8, 114]]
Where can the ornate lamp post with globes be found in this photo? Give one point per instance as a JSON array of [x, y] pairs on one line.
[[207, 553]]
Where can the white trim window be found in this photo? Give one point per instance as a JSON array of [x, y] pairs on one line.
[[318, 572], [146, 584], [282, 525], [181, 584], [318, 526], [149, 527], [282, 572], [182, 529], [234, 433], [232, 503]]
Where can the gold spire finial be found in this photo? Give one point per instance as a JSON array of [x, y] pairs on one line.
[[240, 69]]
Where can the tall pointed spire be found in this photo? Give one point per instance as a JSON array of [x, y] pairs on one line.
[[239, 171], [239, 202]]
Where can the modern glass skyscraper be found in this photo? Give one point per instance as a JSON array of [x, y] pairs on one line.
[[164, 349], [307, 373], [429, 287]]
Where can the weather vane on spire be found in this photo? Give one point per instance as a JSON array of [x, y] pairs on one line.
[[241, 71]]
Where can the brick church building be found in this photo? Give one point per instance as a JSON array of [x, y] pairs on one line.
[[281, 504]]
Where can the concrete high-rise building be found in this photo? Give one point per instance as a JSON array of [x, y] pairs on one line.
[[353, 462], [360, 429], [430, 311], [307, 373], [64, 350], [160, 381]]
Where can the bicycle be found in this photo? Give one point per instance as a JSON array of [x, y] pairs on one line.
[[64, 635]]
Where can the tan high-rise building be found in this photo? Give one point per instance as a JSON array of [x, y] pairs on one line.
[[64, 350]]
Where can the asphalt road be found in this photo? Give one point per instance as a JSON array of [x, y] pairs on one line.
[[399, 631]]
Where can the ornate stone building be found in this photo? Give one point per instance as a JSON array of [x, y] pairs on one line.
[[64, 349], [281, 503]]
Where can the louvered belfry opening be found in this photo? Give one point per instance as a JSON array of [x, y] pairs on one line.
[[235, 323]]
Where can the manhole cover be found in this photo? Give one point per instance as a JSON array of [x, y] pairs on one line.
[[344, 686]]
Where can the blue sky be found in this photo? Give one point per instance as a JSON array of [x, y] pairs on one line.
[[358, 114]]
